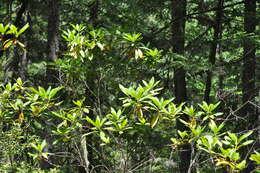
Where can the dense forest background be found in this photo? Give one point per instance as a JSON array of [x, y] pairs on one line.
[[129, 86]]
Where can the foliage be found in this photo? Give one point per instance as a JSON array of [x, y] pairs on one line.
[[98, 105], [9, 35], [24, 108]]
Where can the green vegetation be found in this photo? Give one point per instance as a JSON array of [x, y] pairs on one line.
[[135, 87]]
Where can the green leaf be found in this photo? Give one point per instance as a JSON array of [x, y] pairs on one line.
[[182, 134], [247, 142], [197, 131], [189, 111], [156, 102], [77, 103], [90, 121], [34, 90], [241, 165], [60, 115], [34, 146], [184, 122], [45, 155], [37, 125], [105, 139], [42, 91], [213, 126], [142, 120], [19, 81], [3, 28], [123, 124], [223, 162], [155, 120], [124, 90], [54, 91], [43, 144], [233, 137], [221, 126], [255, 157], [86, 110], [233, 155], [245, 136], [22, 30]]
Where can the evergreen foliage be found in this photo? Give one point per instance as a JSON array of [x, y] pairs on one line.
[[138, 86]]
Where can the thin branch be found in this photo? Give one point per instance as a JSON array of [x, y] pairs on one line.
[[197, 38], [196, 13]]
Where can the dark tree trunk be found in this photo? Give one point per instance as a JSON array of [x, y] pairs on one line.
[[53, 41], [249, 59], [248, 74], [9, 10], [93, 15], [215, 48], [19, 22], [178, 38], [24, 63], [52, 53]]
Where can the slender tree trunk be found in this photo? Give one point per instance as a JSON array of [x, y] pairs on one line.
[[178, 38], [18, 21], [24, 63], [25, 55], [93, 15], [52, 53], [9, 9], [53, 41], [14, 63], [85, 155], [249, 59], [215, 48], [86, 144], [248, 74]]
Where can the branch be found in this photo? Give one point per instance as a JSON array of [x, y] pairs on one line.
[[196, 13], [19, 15], [197, 38]]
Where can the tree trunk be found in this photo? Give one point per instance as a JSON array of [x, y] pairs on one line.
[[87, 143], [178, 38], [215, 48], [249, 59], [85, 155], [13, 65], [25, 55], [53, 41], [93, 16], [18, 21], [52, 53], [248, 74]]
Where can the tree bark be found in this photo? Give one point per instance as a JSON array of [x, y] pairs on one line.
[[52, 53], [180, 91], [85, 155], [93, 15], [215, 48], [53, 41], [249, 59], [248, 74], [25, 55], [18, 21]]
